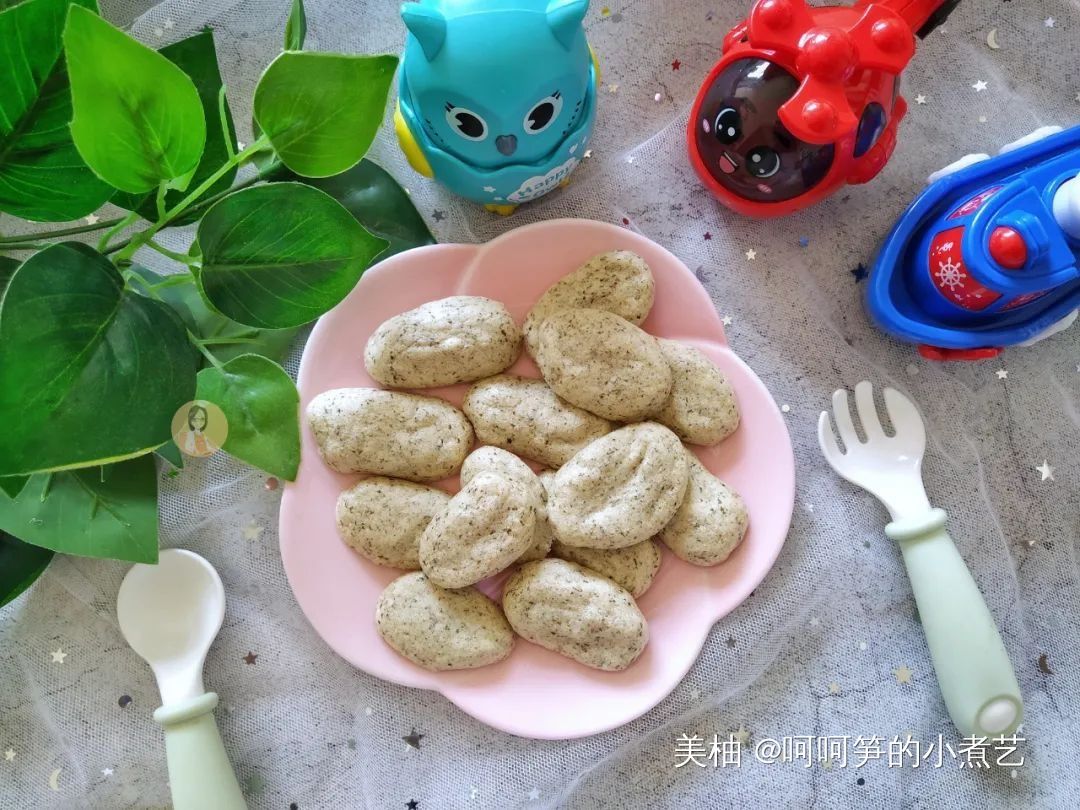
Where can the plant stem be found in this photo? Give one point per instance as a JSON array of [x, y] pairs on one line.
[[228, 341], [143, 237], [198, 344], [260, 176], [159, 201], [48, 486], [106, 237], [151, 289], [174, 280], [223, 110], [14, 246], [202, 205], [23, 237], [118, 246], [183, 258]]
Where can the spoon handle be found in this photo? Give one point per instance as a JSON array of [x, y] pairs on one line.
[[200, 774]]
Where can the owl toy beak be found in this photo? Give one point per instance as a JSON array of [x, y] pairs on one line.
[[506, 144]]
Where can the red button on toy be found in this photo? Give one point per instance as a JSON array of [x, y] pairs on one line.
[[1007, 248]]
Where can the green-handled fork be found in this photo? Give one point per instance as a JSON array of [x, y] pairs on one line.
[[973, 669]]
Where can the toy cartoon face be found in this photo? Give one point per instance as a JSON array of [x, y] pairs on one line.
[[495, 125], [742, 142], [496, 83]]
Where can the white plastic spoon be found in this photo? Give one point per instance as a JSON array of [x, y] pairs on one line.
[[170, 613]]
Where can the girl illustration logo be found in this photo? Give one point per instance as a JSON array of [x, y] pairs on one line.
[[199, 428]]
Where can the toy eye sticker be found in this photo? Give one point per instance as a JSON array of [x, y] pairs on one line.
[[466, 123], [542, 114], [762, 162], [728, 126]]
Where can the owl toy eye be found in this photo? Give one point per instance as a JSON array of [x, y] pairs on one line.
[[542, 114], [466, 123]]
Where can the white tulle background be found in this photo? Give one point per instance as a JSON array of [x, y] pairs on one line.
[[305, 729]]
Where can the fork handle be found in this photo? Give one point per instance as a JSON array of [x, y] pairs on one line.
[[973, 669]]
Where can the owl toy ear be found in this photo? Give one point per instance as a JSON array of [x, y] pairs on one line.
[[428, 25], [564, 17]]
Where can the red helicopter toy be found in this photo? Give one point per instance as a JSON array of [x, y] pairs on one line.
[[804, 100]]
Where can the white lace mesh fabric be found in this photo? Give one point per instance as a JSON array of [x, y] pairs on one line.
[[304, 728]]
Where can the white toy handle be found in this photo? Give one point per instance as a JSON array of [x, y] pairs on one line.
[[1067, 207]]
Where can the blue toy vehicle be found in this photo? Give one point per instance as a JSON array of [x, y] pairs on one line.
[[497, 98], [986, 256]]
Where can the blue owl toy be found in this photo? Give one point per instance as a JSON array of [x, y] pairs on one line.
[[497, 98]]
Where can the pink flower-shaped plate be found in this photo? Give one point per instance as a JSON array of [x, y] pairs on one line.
[[534, 693]]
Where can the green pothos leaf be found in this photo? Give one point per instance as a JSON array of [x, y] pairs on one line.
[[42, 176], [280, 255], [371, 194], [171, 453], [197, 57], [262, 406], [296, 27], [321, 110], [90, 373], [8, 266], [106, 511], [20, 565], [138, 120], [13, 484]]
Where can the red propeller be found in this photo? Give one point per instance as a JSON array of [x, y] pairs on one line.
[[825, 57]]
